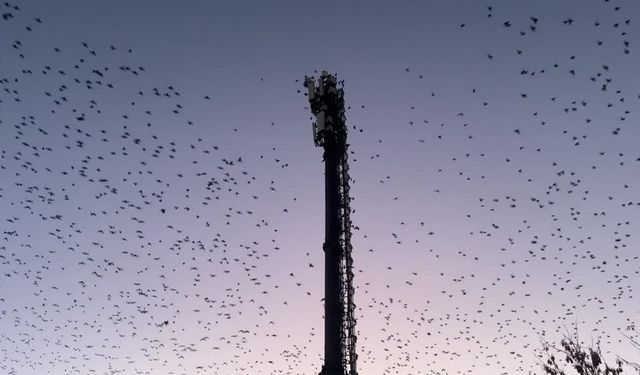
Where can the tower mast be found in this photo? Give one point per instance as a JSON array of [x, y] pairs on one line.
[[330, 133]]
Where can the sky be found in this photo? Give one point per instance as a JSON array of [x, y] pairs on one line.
[[161, 198]]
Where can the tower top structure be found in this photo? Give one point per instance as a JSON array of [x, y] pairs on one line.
[[327, 104]]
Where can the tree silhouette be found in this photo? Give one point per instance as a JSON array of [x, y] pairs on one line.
[[634, 338], [572, 357]]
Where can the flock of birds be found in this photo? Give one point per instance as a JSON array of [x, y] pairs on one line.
[[136, 240]]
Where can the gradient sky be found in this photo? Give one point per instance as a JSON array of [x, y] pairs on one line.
[[161, 198]]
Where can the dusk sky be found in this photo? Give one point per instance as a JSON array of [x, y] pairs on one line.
[[162, 200]]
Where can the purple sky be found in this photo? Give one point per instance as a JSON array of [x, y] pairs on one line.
[[161, 198]]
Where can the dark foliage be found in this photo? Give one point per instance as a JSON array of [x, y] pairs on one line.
[[574, 358]]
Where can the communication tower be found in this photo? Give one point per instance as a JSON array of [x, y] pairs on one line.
[[326, 99]]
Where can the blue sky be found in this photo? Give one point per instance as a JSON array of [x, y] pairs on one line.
[[162, 199]]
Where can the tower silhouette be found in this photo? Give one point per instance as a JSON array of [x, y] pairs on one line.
[[326, 100]]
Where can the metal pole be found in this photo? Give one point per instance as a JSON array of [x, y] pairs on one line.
[[329, 131], [333, 304]]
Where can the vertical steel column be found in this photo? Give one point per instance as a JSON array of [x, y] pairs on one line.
[[333, 303], [330, 132]]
